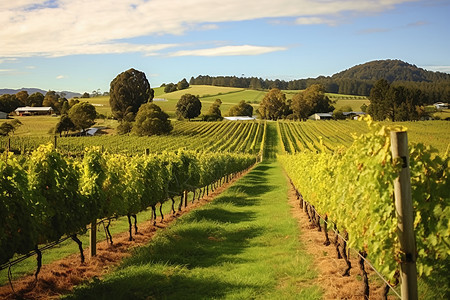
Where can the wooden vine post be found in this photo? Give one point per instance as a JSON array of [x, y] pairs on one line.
[[93, 239], [404, 211]]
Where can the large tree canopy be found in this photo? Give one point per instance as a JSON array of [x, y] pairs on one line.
[[128, 91], [214, 113], [35, 99], [188, 107], [397, 103], [182, 84], [151, 120], [241, 109], [8, 103], [83, 115], [273, 106], [65, 124], [312, 100]]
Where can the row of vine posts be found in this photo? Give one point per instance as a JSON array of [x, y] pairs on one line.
[[405, 227]]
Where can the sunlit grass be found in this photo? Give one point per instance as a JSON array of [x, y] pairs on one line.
[[244, 245]]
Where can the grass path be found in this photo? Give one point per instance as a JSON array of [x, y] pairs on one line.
[[243, 245]]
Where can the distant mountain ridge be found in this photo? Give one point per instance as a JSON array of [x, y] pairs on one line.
[[391, 70], [30, 91]]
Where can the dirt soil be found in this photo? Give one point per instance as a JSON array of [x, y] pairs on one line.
[[61, 276]]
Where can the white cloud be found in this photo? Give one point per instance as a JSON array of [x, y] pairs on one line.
[[67, 27], [6, 70], [443, 69], [229, 51], [7, 60], [60, 77], [311, 21]]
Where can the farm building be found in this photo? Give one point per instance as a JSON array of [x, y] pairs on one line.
[[239, 118], [33, 111], [3, 115], [321, 116], [353, 114], [440, 105]]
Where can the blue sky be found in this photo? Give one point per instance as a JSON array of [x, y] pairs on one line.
[[81, 45]]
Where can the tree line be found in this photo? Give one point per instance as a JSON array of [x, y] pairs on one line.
[[357, 80], [433, 91]]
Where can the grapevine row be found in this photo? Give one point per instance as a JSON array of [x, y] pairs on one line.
[[47, 195], [354, 189], [204, 136]]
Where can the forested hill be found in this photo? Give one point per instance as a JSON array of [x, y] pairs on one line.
[[357, 80], [30, 91], [391, 70]]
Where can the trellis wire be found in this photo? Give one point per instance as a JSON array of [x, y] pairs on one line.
[[368, 262]]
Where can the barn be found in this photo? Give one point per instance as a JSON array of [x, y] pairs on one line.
[[321, 116], [239, 118], [33, 111]]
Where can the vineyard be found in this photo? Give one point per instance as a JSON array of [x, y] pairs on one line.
[[237, 137], [351, 189], [343, 173], [330, 135]]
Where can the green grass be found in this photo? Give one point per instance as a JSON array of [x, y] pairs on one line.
[[34, 125], [355, 104], [201, 91], [243, 245]]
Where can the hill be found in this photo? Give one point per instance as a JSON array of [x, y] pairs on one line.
[[30, 91], [391, 70], [357, 80]]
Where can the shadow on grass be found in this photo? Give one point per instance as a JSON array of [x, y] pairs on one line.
[[216, 214], [254, 184], [144, 283], [203, 239]]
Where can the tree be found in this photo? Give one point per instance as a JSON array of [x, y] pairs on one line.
[[35, 99], [188, 107], [312, 100], [9, 127], [65, 108], [151, 120], [6, 128], [128, 91], [183, 84], [214, 113], [170, 87], [364, 107], [85, 95], [124, 127], [83, 115], [8, 103], [241, 109], [65, 124], [22, 96], [301, 108], [51, 97], [397, 103], [273, 106], [379, 105]]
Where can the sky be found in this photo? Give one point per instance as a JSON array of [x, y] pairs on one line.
[[82, 45]]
